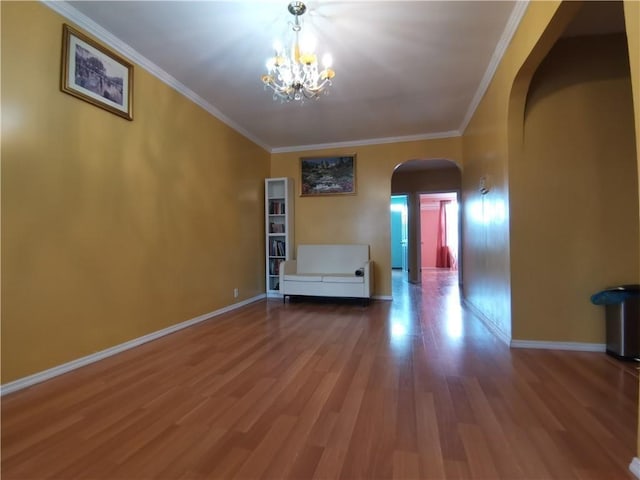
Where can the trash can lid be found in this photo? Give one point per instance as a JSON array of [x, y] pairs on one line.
[[632, 287], [613, 295]]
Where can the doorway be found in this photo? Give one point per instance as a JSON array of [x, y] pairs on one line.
[[439, 231], [399, 232], [409, 180]]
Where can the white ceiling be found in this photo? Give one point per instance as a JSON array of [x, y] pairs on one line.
[[404, 70]]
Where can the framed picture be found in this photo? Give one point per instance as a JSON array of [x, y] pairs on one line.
[[95, 74], [328, 175]]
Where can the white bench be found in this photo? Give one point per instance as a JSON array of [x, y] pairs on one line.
[[328, 271]]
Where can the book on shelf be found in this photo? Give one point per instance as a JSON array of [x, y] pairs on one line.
[[276, 207], [276, 227], [277, 248], [274, 266]]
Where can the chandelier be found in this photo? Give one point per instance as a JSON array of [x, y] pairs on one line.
[[294, 74]]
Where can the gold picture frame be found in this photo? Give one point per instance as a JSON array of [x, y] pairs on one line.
[[330, 175], [95, 74]]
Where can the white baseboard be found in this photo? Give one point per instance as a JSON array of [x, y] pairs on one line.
[[576, 346], [634, 466], [493, 328], [388, 298], [94, 357]]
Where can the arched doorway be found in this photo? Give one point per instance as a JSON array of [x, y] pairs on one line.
[[411, 180], [572, 178]]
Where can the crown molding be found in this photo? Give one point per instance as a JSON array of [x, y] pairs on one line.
[[371, 141], [70, 13], [496, 58]]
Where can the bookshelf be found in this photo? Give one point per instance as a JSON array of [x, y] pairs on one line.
[[278, 211]]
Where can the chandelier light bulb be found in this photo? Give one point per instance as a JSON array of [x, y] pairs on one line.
[[271, 64], [308, 44], [294, 75]]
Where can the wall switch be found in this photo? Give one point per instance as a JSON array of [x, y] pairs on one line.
[[235, 293]]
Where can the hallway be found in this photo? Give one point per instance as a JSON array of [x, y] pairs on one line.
[[414, 388], [435, 311]]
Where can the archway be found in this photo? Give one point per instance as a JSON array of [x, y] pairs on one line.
[[411, 179], [572, 178]]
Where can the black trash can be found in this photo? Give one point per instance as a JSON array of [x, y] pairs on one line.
[[622, 314]]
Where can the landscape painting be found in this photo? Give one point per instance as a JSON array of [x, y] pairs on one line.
[[328, 175], [94, 74]]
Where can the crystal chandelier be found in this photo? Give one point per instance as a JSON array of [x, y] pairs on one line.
[[294, 74]]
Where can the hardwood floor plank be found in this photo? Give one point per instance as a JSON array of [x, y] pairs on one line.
[[481, 462], [428, 437], [333, 457], [371, 449], [319, 435], [406, 466], [501, 448], [31, 437], [283, 462], [292, 371], [414, 388], [528, 458], [196, 443], [242, 405], [306, 463], [406, 434], [330, 464], [457, 470], [526, 405], [227, 465], [262, 456], [447, 423], [553, 454]]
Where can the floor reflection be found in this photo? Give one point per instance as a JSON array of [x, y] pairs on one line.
[[432, 308]]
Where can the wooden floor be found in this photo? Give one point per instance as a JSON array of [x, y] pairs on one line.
[[414, 388]]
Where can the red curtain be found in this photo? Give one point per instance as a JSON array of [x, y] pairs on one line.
[[443, 253]]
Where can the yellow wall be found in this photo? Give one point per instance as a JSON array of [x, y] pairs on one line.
[[632, 26], [486, 242], [364, 217], [491, 144], [574, 192], [113, 229]]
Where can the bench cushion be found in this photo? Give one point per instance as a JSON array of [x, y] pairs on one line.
[[345, 278], [303, 277]]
